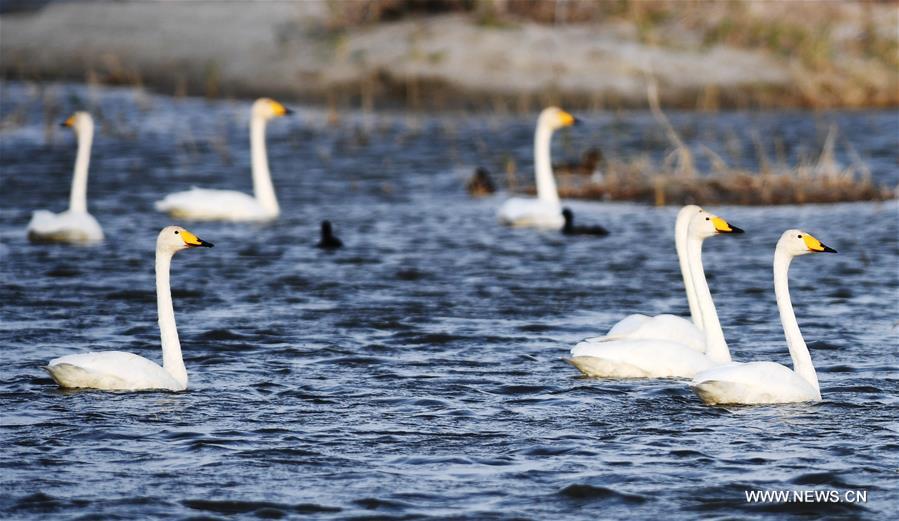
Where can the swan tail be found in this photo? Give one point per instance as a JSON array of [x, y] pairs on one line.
[[66, 374], [711, 392]]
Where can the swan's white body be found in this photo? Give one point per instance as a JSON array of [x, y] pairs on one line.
[[657, 358], [120, 371], [753, 383], [638, 359], [112, 371], [768, 382], [545, 211], [521, 212], [74, 225], [666, 326], [227, 205], [69, 226], [203, 204]]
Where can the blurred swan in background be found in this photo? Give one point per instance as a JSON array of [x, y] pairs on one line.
[[203, 204], [120, 371], [74, 225], [658, 358], [545, 211], [770, 382], [667, 326]]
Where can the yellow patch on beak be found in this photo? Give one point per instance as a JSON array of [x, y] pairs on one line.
[[814, 244], [566, 119], [190, 239], [69, 122], [722, 226], [278, 109]]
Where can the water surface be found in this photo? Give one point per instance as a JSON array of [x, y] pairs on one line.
[[419, 371]]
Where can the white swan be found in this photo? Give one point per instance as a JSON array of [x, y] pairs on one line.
[[120, 371], [545, 211], [202, 204], [769, 382], [667, 326], [74, 225], [657, 358]]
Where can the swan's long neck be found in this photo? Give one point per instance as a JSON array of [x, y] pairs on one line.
[[681, 228], [172, 361], [262, 179], [546, 185], [802, 360], [715, 345], [78, 196]]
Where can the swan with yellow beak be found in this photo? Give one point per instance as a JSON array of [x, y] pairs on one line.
[[754, 383], [545, 211], [121, 371], [75, 225], [201, 204], [653, 357]]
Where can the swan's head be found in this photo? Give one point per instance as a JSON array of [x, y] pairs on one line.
[[704, 225], [176, 238], [555, 118], [79, 122], [267, 108], [798, 242], [688, 211]]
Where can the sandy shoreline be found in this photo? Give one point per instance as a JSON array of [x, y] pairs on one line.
[[286, 49]]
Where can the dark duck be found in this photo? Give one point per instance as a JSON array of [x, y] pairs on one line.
[[328, 240], [571, 229], [587, 166], [480, 183]]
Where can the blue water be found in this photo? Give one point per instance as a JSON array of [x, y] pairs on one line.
[[418, 372]]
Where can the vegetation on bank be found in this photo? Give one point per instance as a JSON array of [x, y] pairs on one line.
[[504, 56], [839, 54]]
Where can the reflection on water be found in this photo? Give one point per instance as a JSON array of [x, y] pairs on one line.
[[419, 370]]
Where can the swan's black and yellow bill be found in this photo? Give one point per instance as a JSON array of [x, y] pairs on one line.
[[193, 241], [68, 122], [567, 119], [815, 245], [279, 109], [722, 226]]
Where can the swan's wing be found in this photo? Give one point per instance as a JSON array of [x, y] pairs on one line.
[[663, 327], [627, 324], [655, 358], [66, 226], [744, 373], [205, 204], [520, 211], [110, 370], [752, 383]]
